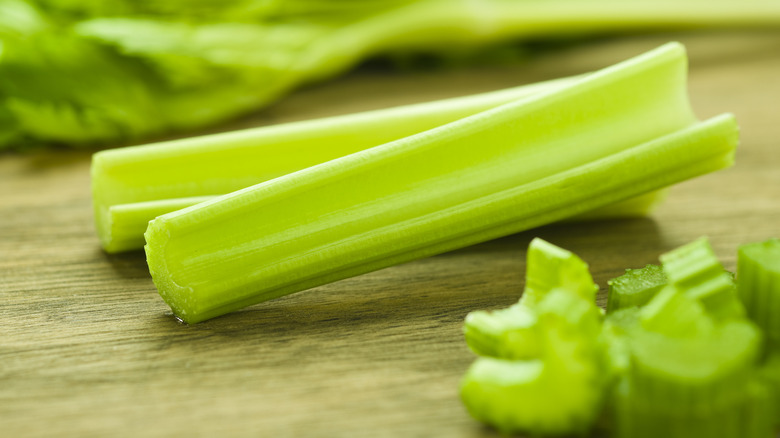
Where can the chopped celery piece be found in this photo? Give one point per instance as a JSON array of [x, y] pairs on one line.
[[558, 392], [676, 314], [510, 333], [692, 357], [615, 340], [635, 288], [506, 333], [758, 284], [617, 133], [770, 373], [693, 386], [550, 268], [695, 269]]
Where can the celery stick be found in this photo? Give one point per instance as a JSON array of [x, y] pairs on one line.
[[132, 186], [758, 284], [219, 164], [635, 288], [435, 191]]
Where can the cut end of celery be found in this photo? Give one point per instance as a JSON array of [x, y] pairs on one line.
[[180, 298], [758, 284], [635, 288]]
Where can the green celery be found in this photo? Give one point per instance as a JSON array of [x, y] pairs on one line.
[[557, 387], [121, 226], [131, 186], [695, 269], [770, 373], [558, 392], [692, 357], [694, 385], [117, 70], [614, 134], [180, 173], [511, 333], [635, 288], [758, 284], [505, 333]]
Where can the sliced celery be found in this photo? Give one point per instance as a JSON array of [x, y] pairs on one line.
[[693, 386], [603, 138], [558, 392], [506, 333], [635, 288], [695, 269], [758, 283], [693, 355], [551, 267], [770, 373], [511, 333]]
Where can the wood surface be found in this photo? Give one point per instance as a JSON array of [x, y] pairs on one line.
[[88, 348]]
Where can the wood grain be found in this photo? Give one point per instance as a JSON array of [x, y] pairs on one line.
[[87, 347]]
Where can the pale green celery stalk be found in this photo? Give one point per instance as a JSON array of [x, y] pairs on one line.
[[180, 173], [468, 23], [132, 186], [511, 333], [125, 223], [635, 288], [758, 284], [623, 131]]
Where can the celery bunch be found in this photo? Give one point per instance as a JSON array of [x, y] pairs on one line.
[[87, 72], [594, 141], [683, 363]]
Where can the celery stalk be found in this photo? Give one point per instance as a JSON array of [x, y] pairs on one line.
[[623, 131], [758, 283], [133, 185], [180, 173]]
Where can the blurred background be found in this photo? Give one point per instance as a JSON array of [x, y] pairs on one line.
[[112, 72]]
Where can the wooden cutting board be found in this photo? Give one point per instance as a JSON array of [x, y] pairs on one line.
[[87, 347]]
